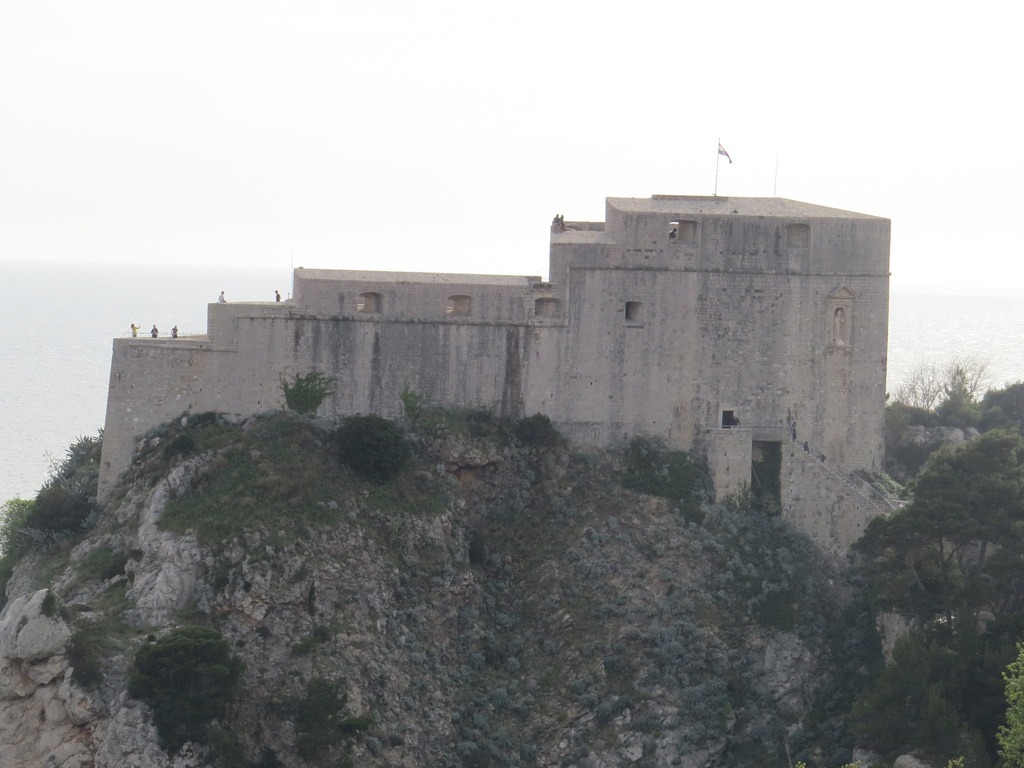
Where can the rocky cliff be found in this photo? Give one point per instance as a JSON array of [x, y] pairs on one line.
[[498, 604]]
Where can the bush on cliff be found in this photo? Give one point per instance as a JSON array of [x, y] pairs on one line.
[[372, 447], [13, 514], [66, 501], [537, 431], [651, 469], [320, 721], [187, 677], [305, 394], [951, 564]]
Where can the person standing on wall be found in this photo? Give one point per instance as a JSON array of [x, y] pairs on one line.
[[277, 295], [221, 299], [135, 330], [174, 332], [154, 333]]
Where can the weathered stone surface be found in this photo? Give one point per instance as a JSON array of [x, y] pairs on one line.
[[30, 644], [790, 672], [910, 761], [770, 310], [386, 604]]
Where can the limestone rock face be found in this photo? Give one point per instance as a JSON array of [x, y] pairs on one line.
[[790, 669], [31, 646], [511, 602], [40, 710], [910, 761], [165, 580]]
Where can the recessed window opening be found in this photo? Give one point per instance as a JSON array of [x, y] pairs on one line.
[[729, 419], [546, 307], [458, 305], [798, 236], [765, 473], [682, 231], [369, 302], [634, 311]]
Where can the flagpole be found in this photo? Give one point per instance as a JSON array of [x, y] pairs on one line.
[[718, 159], [775, 186]]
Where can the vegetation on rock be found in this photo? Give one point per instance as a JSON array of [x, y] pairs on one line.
[[66, 501], [951, 565], [320, 720], [187, 677], [498, 600], [304, 394], [1011, 735], [372, 447]]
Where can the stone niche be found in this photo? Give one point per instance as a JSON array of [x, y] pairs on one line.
[[840, 318]]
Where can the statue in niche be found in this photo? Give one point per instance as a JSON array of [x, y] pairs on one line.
[[839, 326]]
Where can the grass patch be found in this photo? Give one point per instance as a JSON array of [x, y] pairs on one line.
[[94, 638], [102, 564], [276, 475], [282, 475]]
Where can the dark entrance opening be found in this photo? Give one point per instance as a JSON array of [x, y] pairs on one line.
[[728, 418], [765, 475]]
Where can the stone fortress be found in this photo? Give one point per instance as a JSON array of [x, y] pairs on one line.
[[674, 319]]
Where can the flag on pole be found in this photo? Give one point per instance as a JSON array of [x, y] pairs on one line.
[[721, 151]]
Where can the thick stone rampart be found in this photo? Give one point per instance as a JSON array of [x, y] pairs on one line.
[[671, 319]]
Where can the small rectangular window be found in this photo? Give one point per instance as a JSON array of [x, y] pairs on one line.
[[682, 231]]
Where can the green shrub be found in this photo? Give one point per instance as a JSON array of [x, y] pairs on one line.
[[412, 403], [478, 550], [372, 447], [320, 721], [13, 514], [49, 606], [305, 394], [181, 445], [537, 431], [85, 653], [655, 471], [67, 501], [225, 750], [103, 564], [59, 510], [200, 421], [187, 677]]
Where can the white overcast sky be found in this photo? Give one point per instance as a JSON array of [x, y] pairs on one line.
[[444, 136]]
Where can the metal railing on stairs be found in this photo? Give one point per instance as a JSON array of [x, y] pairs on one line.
[[778, 432]]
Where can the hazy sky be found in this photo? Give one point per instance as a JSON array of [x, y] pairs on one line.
[[444, 136]]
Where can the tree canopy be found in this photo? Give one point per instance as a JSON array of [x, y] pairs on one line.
[[958, 549], [1011, 735], [952, 564]]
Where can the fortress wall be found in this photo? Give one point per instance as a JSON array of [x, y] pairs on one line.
[[738, 243], [697, 343], [851, 246], [151, 381], [754, 341], [452, 364], [455, 364], [729, 455], [820, 503], [780, 319], [413, 295], [542, 362]]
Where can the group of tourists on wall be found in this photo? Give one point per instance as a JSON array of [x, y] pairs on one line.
[[154, 332]]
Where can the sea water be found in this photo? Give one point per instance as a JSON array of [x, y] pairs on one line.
[[57, 322]]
